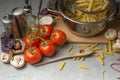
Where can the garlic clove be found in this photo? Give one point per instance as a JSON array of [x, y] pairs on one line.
[[17, 61], [111, 34]]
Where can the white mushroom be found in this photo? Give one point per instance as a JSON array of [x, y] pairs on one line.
[[111, 34], [116, 46], [19, 46], [6, 57], [17, 61]]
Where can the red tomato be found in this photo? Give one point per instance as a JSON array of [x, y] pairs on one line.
[[45, 31], [58, 37], [47, 48], [32, 40], [32, 55]]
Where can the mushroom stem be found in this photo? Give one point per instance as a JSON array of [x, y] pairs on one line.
[[19, 46], [6, 57]]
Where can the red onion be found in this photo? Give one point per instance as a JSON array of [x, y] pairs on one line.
[[116, 64]]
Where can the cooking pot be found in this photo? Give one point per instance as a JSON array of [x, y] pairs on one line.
[[84, 29]]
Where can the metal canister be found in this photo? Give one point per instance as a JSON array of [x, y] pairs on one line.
[[21, 21], [10, 25]]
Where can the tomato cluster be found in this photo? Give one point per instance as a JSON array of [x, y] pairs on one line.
[[43, 43]]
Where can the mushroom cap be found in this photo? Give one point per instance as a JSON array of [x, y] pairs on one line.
[[110, 34], [17, 61]]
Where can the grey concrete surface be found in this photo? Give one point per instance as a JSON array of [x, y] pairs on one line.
[[71, 70]]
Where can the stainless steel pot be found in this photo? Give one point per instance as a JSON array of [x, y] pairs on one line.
[[84, 29]]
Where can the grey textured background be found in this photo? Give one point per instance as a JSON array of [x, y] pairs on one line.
[[50, 71]]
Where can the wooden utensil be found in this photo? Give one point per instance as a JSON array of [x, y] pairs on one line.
[[78, 53]]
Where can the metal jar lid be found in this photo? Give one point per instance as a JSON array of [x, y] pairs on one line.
[[17, 11], [28, 9], [8, 18]]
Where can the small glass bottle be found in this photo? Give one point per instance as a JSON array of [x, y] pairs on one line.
[[30, 18]]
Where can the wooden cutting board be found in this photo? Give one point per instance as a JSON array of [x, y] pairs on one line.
[[60, 24]]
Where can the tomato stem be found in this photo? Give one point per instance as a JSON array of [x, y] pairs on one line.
[[31, 50], [41, 38], [52, 36], [43, 31], [31, 38], [45, 44]]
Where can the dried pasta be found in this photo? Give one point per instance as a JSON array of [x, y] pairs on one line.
[[95, 54], [83, 66], [69, 48], [82, 58], [101, 60], [90, 5], [103, 75], [110, 47], [102, 55], [94, 45], [62, 66]]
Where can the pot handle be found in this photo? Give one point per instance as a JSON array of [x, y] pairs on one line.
[[117, 13], [118, 10], [52, 7]]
